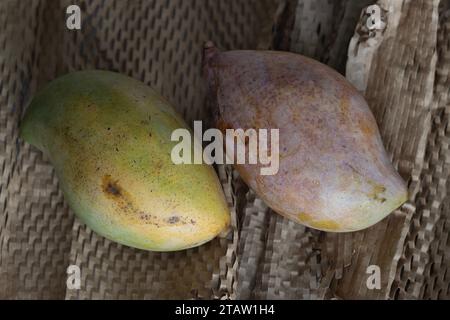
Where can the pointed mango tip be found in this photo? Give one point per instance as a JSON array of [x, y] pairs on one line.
[[209, 51]]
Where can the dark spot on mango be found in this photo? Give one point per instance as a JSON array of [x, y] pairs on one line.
[[127, 207], [145, 216], [377, 191], [124, 201], [173, 220], [113, 189]]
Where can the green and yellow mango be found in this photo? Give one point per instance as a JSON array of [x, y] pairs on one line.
[[108, 137]]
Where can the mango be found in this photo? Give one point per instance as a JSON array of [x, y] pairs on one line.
[[108, 137], [334, 173]]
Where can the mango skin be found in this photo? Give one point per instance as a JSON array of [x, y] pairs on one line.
[[334, 173], [108, 138]]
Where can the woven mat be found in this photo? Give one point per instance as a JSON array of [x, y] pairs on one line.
[[403, 69]]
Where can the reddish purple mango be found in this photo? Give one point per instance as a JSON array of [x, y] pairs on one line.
[[334, 173]]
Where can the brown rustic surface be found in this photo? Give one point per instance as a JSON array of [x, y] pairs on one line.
[[403, 69]]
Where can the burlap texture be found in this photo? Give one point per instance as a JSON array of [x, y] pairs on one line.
[[403, 70]]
